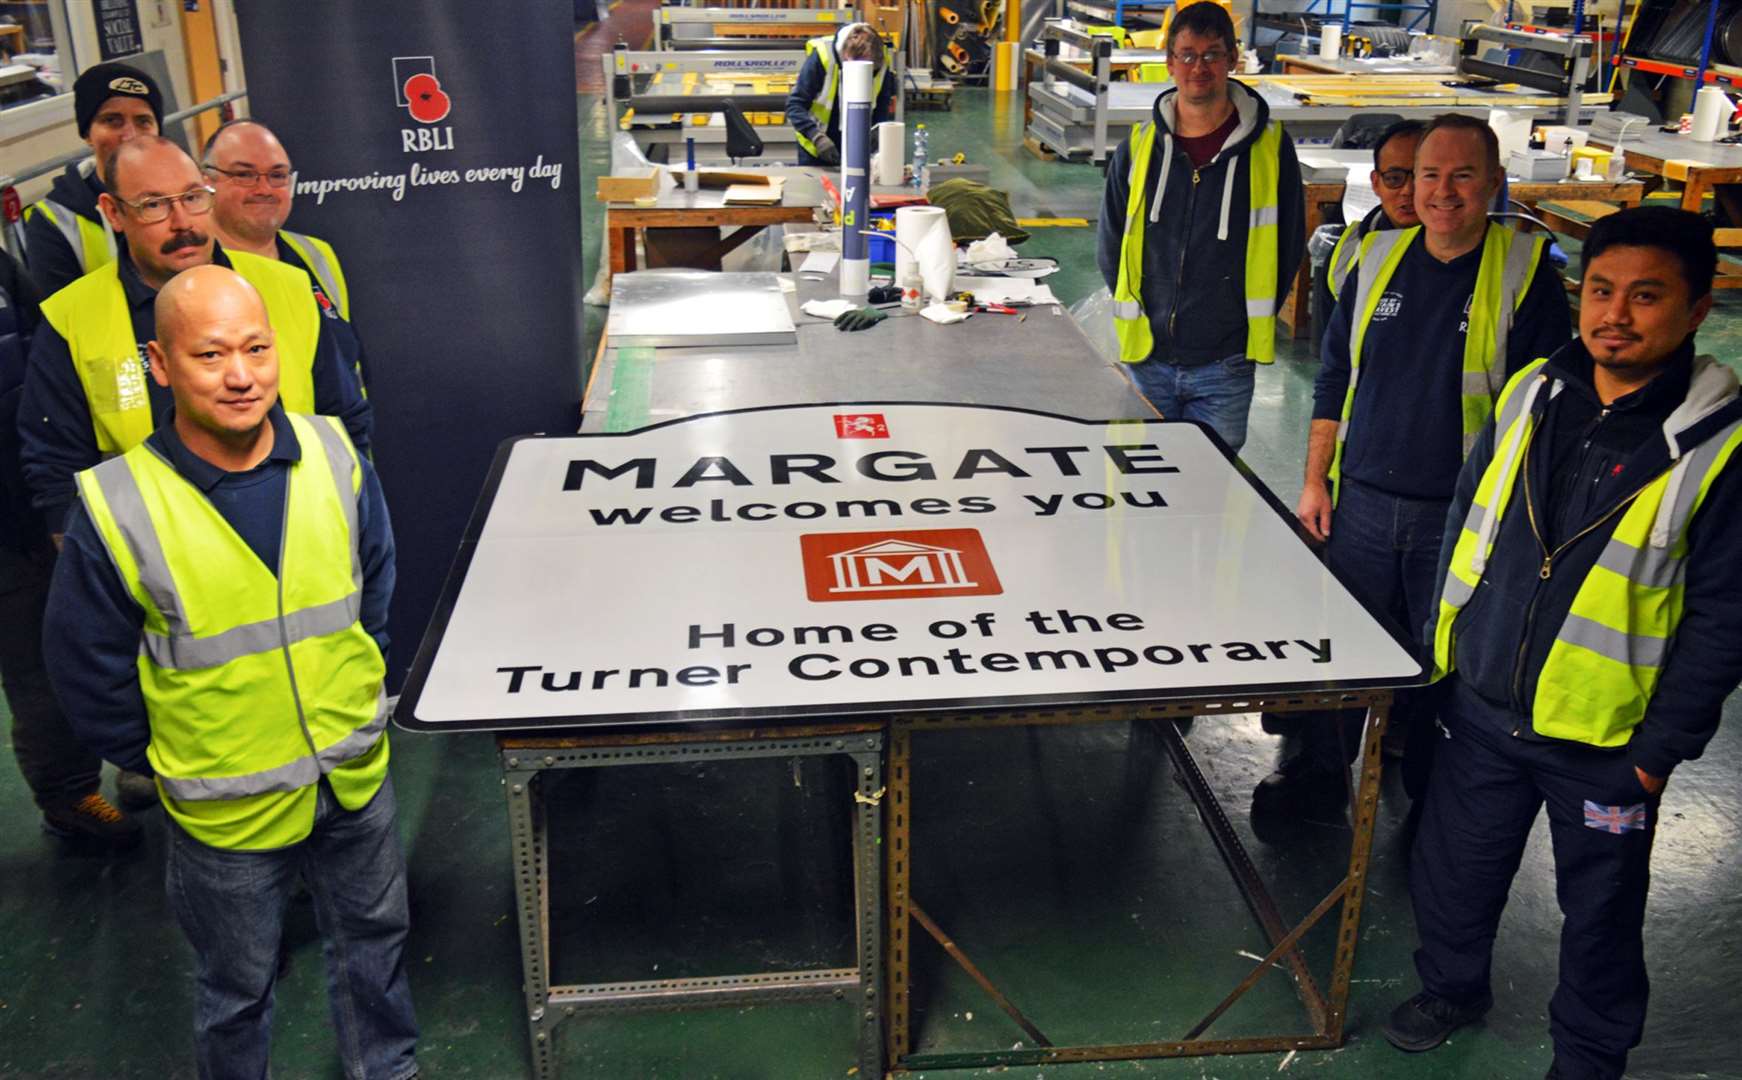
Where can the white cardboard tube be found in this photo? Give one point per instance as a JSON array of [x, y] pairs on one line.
[[891, 152]]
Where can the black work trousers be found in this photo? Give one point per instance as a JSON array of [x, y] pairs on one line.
[[1487, 787], [55, 764]]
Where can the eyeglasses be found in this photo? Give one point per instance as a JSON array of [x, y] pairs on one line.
[[1396, 178], [249, 177], [1213, 58], [157, 208]]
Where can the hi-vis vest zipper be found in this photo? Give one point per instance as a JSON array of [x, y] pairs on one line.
[[1606, 659], [257, 684], [1264, 172], [1509, 262]]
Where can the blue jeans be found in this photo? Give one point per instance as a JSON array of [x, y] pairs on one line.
[[1386, 549], [1218, 395], [231, 907]]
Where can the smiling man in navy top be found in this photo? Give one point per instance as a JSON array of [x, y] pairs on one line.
[[1426, 330]]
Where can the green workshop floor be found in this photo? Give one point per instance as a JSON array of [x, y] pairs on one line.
[[1067, 863]]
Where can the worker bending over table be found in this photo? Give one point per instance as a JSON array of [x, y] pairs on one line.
[[1428, 327], [811, 107], [1589, 630], [218, 619], [1203, 206]]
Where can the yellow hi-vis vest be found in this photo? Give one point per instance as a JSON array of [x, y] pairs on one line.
[[823, 105], [92, 241], [1343, 258], [1508, 265], [1604, 664], [256, 684], [1264, 172], [323, 262], [91, 315]]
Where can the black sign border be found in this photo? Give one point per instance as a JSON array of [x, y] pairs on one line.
[[404, 715]]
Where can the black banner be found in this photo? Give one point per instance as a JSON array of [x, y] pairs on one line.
[[118, 28], [436, 147]]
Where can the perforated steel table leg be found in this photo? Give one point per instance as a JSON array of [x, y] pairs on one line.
[[527, 838], [868, 896]]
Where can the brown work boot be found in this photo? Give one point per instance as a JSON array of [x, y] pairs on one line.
[[91, 821], [135, 791]]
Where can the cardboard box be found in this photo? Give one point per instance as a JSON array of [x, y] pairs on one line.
[[628, 187]]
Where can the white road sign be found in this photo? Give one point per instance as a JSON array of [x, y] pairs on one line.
[[820, 560]]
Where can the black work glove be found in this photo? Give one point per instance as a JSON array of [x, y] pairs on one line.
[[859, 319], [827, 152]]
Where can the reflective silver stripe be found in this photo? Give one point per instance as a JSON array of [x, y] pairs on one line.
[[1262, 216], [1699, 463], [1634, 650], [66, 223], [1513, 282], [1262, 308], [1478, 383], [184, 652], [1456, 593], [1127, 309], [342, 461], [1342, 430], [316, 260], [1649, 567], [1470, 441], [127, 507], [292, 776]]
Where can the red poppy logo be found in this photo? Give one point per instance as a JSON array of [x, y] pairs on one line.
[[425, 99]]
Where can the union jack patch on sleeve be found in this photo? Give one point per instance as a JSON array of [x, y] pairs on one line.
[[1614, 819]]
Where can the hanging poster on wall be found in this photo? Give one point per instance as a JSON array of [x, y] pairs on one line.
[[436, 148]]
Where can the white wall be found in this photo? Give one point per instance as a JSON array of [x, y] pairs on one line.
[[30, 134]]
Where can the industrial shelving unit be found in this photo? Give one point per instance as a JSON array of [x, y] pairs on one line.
[[1646, 36], [1318, 13]]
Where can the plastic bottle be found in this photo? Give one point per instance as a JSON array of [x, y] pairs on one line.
[[921, 143]]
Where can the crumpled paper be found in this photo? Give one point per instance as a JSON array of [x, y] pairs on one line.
[[827, 309], [942, 315], [991, 249]]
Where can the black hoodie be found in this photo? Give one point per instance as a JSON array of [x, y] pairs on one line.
[[53, 263], [1194, 277], [1586, 459]]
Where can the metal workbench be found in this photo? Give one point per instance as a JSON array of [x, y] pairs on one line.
[[1041, 362]]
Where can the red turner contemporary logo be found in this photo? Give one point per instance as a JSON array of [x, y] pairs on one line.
[[419, 92], [897, 565]]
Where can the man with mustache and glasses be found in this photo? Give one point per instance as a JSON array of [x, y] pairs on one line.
[[1427, 328], [1588, 632], [252, 176]]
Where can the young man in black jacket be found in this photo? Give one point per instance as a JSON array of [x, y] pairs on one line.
[[1590, 628], [1202, 229]]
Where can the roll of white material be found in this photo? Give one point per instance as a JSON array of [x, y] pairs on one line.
[[891, 152], [1330, 41], [922, 234], [1712, 110]]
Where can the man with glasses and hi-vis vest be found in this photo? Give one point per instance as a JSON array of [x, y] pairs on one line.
[[65, 235], [218, 619], [1428, 326], [88, 393], [813, 106], [1393, 180], [253, 178], [1588, 632], [1201, 233]]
